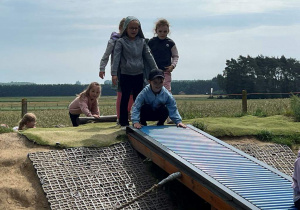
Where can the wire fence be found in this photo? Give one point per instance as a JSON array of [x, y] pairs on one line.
[[17, 106], [249, 94]]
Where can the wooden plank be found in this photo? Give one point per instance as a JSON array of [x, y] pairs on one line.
[[107, 118]]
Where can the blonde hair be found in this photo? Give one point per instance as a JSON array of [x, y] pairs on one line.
[[86, 92], [28, 117], [121, 25], [161, 22]]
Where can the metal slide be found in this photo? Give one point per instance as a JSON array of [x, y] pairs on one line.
[[235, 176]]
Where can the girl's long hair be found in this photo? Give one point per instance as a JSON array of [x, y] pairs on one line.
[[86, 92], [28, 117], [121, 25]]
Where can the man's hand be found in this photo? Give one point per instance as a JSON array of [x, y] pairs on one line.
[[137, 125]]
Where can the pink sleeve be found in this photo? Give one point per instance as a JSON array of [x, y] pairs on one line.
[[83, 104], [175, 56], [95, 108]]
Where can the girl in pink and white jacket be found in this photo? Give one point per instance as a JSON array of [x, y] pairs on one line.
[[86, 102]]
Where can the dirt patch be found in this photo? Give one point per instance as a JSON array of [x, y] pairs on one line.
[[19, 185]]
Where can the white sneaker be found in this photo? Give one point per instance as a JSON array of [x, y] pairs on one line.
[[123, 128]]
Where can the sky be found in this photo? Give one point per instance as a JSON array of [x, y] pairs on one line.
[[62, 41]]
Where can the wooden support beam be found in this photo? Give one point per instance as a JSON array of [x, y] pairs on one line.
[[244, 101], [24, 107], [107, 118]]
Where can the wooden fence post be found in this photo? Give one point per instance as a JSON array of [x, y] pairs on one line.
[[244, 101], [24, 107]]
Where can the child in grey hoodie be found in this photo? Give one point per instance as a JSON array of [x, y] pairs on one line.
[[104, 60], [131, 55]]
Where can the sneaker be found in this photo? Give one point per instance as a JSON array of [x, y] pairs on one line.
[[123, 128]]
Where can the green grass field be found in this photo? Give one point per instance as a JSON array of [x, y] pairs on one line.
[[268, 119], [52, 111]]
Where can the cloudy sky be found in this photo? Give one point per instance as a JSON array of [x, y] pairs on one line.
[[62, 41]]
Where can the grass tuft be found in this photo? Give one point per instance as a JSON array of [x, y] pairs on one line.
[[285, 140], [200, 125], [265, 135], [260, 113], [5, 130], [295, 107]]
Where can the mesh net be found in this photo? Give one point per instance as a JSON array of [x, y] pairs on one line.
[[96, 178]]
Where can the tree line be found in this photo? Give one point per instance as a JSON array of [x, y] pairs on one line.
[[261, 75], [178, 87]]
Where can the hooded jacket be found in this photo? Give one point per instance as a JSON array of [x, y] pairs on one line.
[[132, 56], [109, 50], [164, 97]]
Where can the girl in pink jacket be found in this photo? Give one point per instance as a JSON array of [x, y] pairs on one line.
[[86, 102]]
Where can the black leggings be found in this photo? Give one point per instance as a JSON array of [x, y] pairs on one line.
[[160, 114], [129, 84], [297, 204], [74, 118]]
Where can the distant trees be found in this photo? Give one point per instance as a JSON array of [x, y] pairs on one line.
[[260, 75], [40, 90], [48, 90], [256, 75], [193, 87], [187, 87]]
